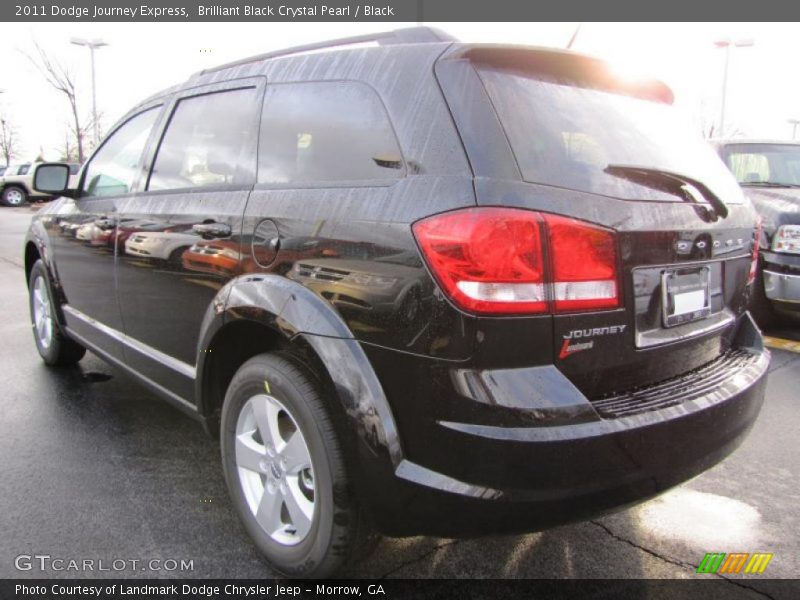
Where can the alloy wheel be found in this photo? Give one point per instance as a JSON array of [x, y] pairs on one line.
[[42, 313], [274, 466]]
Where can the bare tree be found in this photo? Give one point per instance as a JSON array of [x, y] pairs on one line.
[[61, 79], [8, 139]]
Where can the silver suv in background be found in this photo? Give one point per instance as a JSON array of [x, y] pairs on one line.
[[16, 183], [769, 172]]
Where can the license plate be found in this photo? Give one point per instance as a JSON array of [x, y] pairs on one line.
[[685, 296]]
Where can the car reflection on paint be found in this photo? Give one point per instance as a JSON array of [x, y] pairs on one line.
[[390, 287], [215, 257], [167, 245], [86, 231]]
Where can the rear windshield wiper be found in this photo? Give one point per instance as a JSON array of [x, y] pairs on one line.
[[769, 184], [668, 181]]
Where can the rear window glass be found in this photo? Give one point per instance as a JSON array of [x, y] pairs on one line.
[[566, 133], [764, 163], [320, 132]]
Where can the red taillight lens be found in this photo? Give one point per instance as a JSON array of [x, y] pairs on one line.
[[492, 261], [488, 260], [584, 261], [754, 263]]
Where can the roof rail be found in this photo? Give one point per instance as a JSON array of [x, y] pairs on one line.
[[408, 35]]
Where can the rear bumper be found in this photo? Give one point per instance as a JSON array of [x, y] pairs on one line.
[[782, 287], [513, 479]]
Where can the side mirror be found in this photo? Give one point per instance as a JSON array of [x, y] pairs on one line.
[[52, 178]]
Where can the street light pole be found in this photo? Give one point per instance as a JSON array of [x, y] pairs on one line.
[[727, 45], [92, 45], [794, 123]]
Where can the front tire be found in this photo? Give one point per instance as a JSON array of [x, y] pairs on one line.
[[54, 347], [284, 465], [14, 196]]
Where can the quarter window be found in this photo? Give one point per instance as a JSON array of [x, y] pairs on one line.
[[115, 165], [209, 141], [326, 132]]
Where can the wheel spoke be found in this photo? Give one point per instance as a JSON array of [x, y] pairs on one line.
[[249, 453], [266, 413], [295, 452], [37, 294], [301, 509], [268, 514]]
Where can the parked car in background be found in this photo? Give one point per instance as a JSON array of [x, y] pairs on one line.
[[2, 170], [439, 288], [167, 245], [16, 184], [769, 172]]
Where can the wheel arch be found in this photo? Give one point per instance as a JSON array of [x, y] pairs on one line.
[[268, 313], [19, 185]]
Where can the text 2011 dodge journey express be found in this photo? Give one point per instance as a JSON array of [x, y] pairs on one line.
[[415, 286]]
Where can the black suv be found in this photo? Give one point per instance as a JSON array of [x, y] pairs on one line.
[[416, 287], [769, 171]]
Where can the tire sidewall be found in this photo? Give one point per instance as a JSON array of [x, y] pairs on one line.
[[307, 556]]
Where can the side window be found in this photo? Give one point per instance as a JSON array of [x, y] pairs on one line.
[[209, 141], [326, 132], [113, 168], [23, 170]]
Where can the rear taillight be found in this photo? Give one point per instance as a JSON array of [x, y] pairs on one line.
[[511, 261], [584, 261], [756, 244], [488, 260]]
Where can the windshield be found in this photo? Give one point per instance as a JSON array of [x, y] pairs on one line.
[[764, 164], [566, 133]]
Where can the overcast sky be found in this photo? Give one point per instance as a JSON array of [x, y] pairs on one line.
[[142, 58]]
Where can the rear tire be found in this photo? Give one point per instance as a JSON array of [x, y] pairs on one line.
[[14, 196], [760, 306], [284, 464], [55, 348]]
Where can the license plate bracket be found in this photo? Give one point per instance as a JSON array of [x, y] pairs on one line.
[[685, 295]]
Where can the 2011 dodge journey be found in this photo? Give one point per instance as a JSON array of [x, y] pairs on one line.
[[415, 286]]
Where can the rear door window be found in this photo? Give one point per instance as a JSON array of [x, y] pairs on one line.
[[209, 142], [318, 132]]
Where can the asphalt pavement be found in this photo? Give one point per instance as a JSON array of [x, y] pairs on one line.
[[92, 466]]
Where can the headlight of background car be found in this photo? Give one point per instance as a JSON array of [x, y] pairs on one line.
[[370, 280], [787, 239]]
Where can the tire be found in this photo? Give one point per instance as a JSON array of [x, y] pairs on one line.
[[760, 306], [409, 310], [54, 347], [289, 484], [14, 196], [175, 257]]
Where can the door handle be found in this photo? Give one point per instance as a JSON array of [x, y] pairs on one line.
[[212, 230]]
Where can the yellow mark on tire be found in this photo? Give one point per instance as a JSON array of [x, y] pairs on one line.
[[781, 344], [266, 386]]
